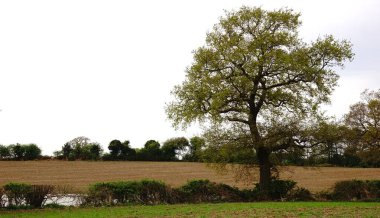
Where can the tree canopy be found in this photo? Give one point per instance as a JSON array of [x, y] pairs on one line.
[[257, 81], [363, 120]]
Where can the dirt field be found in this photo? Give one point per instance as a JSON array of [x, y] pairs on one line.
[[81, 173]]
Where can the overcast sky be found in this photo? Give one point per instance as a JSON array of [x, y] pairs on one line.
[[105, 69]]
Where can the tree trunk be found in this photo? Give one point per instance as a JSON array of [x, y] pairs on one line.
[[265, 168]]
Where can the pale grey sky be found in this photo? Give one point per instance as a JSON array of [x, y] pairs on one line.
[[104, 69]]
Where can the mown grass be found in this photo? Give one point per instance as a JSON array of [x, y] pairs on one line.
[[257, 209]]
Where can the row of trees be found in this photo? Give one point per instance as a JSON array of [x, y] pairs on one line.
[[173, 149], [20, 152], [352, 141]]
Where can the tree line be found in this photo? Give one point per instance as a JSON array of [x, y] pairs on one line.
[[173, 149], [352, 141]]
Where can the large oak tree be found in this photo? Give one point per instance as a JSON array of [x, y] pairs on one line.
[[257, 80]]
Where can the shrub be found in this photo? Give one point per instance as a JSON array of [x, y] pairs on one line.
[[281, 188], [197, 191], [300, 194], [356, 190], [38, 194], [278, 190], [153, 192], [20, 194], [16, 193], [2, 200], [142, 192]]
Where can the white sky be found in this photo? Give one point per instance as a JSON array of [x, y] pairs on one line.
[[105, 69]]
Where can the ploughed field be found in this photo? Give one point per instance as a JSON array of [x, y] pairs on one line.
[[79, 174]]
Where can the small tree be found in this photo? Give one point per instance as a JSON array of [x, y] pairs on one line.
[[256, 79]]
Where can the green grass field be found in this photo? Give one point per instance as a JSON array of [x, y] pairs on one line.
[[257, 209]]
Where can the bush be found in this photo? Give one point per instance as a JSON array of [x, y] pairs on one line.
[[197, 191], [142, 192], [37, 195], [278, 190], [300, 194], [2, 200], [16, 193], [20, 194], [153, 192], [356, 190]]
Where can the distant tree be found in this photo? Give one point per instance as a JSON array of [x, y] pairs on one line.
[[173, 148], [150, 152], [66, 150], [121, 151], [17, 151], [115, 147], [95, 151], [32, 152], [332, 138], [195, 147], [363, 120], [77, 145], [4, 152], [126, 152], [257, 77]]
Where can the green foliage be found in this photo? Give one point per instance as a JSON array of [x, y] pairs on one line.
[[195, 149], [66, 150], [300, 194], [363, 138], [150, 152], [37, 195], [2, 201], [278, 189], [32, 152], [21, 194], [197, 191], [17, 151], [256, 76], [356, 190], [173, 148], [17, 193], [4, 152], [20, 152], [115, 148], [80, 148], [141, 192]]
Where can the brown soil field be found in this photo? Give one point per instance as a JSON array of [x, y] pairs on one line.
[[79, 174]]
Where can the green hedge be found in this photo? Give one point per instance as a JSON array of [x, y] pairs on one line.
[[352, 190], [21, 194], [140, 192]]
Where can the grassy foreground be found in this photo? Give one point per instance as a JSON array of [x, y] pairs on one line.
[[257, 209]]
